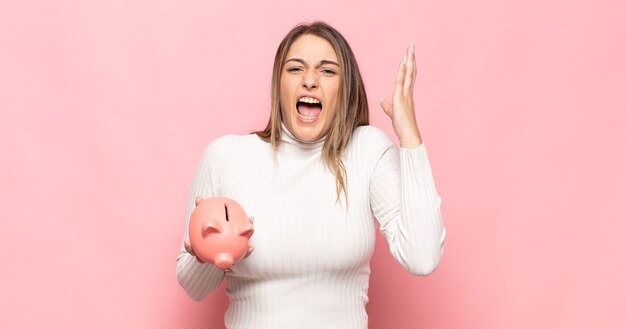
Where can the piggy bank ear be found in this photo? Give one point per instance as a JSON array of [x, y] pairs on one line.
[[198, 200], [209, 228], [247, 233]]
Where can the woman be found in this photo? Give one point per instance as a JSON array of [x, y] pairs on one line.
[[315, 179]]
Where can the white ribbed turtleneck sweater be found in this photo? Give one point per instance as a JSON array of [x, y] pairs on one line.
[[310, 267]]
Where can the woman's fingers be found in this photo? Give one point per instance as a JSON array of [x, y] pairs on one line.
[[249, 252], [400, 76], [409, 75], [405, 80], [188, 248]]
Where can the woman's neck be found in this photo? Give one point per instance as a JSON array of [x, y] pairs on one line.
[[290, 139]]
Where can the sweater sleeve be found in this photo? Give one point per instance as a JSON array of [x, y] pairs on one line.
[[199, 279], [404, 200]]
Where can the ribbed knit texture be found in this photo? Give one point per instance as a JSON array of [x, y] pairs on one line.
[[310, 267]]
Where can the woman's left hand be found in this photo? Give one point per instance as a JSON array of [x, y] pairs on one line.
[[401, 109]]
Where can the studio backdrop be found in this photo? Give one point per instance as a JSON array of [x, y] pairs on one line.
[[106, 107]]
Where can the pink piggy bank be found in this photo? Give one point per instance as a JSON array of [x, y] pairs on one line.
[[219, 231]]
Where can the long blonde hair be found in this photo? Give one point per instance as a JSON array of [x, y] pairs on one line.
[[352, 110]]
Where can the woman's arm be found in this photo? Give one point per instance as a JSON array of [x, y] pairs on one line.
[[404, 200], [200, 279], [402, 190]]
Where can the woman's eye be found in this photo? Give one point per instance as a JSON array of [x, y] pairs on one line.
[[293, 69], [328, 72]]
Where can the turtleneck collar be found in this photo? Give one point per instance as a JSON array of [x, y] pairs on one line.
[[288, 138]]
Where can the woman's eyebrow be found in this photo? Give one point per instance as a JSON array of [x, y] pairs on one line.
[[328, 62], [301, 61]]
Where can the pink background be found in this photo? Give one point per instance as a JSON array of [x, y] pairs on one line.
[[107, 106]]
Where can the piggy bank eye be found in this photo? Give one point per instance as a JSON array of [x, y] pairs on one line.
[[226, 211], [209, 227], [247, 233]]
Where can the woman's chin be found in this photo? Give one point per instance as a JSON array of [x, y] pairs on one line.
[[307, 134], [308, 137]]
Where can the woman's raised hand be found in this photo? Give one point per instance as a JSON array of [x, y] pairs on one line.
[[401, 109]]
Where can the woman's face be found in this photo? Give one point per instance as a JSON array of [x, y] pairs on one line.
[[309, 88]]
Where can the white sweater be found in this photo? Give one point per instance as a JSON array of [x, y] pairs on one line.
[[310, 267]]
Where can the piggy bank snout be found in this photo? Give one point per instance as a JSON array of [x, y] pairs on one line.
[[224, 261]]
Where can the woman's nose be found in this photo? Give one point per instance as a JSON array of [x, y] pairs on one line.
[[310, 81]]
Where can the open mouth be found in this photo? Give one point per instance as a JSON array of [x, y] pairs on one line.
[[309, 108]]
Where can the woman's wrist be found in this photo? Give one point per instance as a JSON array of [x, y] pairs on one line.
[[411, 141]]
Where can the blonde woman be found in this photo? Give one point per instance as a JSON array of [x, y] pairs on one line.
[[317, 179]]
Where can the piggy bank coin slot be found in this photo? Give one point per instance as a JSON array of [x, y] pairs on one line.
[[226, 211]]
